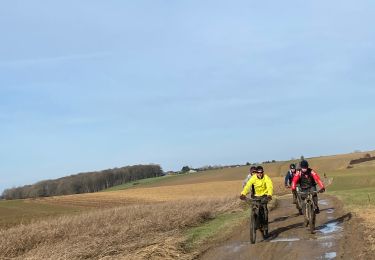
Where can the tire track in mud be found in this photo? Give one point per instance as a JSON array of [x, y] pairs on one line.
[[288, 238]]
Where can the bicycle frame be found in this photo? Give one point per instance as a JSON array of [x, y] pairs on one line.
[[308, 208], [257, 218]]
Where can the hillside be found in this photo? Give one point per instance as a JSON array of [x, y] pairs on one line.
[[323, 164], [187, 211]]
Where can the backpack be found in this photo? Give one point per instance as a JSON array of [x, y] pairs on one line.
[[306, 179]]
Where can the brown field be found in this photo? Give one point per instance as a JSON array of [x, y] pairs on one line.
[[213, 183], [131, 232], [15, 212], [321, 164], [144, 221], [146, 195]]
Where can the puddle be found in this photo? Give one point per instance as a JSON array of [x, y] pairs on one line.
[[235, 247], [326, 237], [284, 240], [323, 202], [330, 211], [327, 244], [330, 228], [330, 255], [329, 217]]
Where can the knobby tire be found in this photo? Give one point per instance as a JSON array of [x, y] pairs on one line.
[[253, 228]]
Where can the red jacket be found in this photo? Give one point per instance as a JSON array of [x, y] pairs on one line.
[[314, 174]]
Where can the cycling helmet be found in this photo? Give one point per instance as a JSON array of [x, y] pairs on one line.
[[304, 164], [253, 169], [292, 166], [260, 169]]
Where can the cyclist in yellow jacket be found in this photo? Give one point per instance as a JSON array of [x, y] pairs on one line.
[[263, 188], [262, 185]]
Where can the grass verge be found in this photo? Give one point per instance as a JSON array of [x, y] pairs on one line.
[[213, 230], [359, 197], [355, 187], [218, 228]]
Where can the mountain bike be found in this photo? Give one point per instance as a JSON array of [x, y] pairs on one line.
[[296, 199], [308, 208], [258, 218], [298, 202]]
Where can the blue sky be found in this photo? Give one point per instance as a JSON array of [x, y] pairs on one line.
[[91, 85]]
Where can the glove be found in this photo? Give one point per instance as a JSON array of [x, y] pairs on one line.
[[322, 190], [269, 197], [242, 197]]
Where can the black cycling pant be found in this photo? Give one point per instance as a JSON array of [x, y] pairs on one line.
[[265, 210]]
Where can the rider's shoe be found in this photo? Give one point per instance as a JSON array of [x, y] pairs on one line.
[[317, 211]]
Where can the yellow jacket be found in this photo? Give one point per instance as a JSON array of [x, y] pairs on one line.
[[262, 186]]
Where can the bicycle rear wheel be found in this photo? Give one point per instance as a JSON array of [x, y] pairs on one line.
[[299, 205]]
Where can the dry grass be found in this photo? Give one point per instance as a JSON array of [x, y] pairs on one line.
[[129, 232], [368, 215], [355, 187], [149, 223], [219, 189], [145, 221]]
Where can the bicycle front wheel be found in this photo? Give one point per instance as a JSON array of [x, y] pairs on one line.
[[311, 218], [253, 228], [265, 232], [305, 210]]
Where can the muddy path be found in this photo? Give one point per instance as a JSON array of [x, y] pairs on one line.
[[289, 239]]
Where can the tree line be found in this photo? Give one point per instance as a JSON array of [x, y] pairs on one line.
[[367, 157], [84, 182]]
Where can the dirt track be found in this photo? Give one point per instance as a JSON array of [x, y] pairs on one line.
[[335, 236]]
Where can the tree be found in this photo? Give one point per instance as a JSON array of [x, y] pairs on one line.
[[185, 169], [84, 182]]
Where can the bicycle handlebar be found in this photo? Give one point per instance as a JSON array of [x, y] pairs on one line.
[[261, 200], [309, 192]]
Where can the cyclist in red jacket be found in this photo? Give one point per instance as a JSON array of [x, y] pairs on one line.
[[307, 178]]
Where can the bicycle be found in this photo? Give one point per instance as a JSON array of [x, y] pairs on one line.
[[308, 208], [258, 219], [298, 200]]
